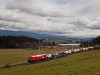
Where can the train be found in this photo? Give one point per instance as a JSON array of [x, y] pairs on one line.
[[41, 57]]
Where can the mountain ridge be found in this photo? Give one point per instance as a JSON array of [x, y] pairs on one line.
[[41, 36]]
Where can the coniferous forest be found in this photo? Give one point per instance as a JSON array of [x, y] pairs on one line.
[[22, 42], [17, 42]]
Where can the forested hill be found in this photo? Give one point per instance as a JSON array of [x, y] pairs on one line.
[[96, 40], [17, 42]]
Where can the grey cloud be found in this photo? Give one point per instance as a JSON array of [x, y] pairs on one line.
[[67, 17], [96, 26], [34, 8], [11, 25]]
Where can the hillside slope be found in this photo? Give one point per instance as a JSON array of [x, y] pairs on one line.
[[97, 40]]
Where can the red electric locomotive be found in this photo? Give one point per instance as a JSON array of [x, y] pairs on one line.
[[33, 58]]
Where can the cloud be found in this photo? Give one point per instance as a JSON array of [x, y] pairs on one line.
[[58, 17]]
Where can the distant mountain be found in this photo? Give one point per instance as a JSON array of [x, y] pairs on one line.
[[30, 34], [42, 36]]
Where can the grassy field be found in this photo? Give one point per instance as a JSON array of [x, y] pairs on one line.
[[86, 63], [15, 56]]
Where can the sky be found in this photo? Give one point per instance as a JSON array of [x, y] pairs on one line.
[[75, 18]]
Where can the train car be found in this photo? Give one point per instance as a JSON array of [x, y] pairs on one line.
[[56, 54], [49, 56], [60, 54], [63, 53], [81, 50], [90, 48], [72, 51], [76, 50], [69, 52], [86, 49], [66, 52], [33, 58]]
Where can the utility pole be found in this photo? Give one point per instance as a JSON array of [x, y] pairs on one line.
[[55, 52], [39, 49], [88, 44], [72, 48], [83, 45], [39, 46]]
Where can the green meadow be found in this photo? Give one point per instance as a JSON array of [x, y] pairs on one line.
[[85, 63]]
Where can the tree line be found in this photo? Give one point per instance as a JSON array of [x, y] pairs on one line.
[[30, 42], [22, 42]]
